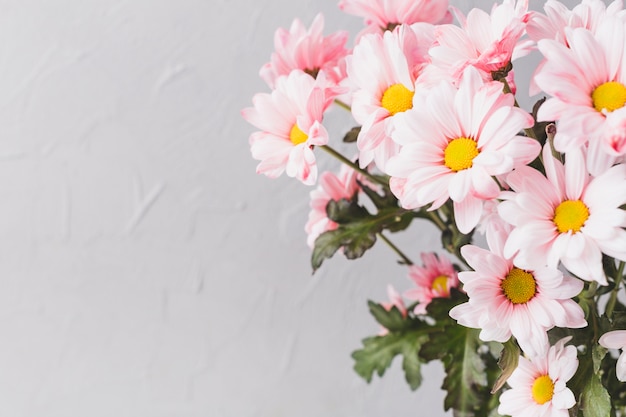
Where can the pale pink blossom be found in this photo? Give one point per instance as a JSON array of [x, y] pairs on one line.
[[589, 14], [331, 187], [488, 42], [506, 300], [290, 123], [306, 50], [432, 280], [383, 15], [395, 300], [616, 340], [383, 70], [566, 215], [538, 384], [454, 142], [587, 82]]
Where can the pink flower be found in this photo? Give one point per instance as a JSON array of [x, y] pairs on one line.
[[395, 300], [306, 50], [387, 14], [454, 142], [383, 69], [433, 280], [589, 14], [506, 300], [567, 216], [486, 42], [538, 385], [331, 187], [289, 120], [616, 340], [587, 82]]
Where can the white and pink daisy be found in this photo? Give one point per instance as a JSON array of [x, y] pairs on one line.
[[588, 14], [382, 70], [488, 42], [538, 385], [587, 82], [331, 187], [616, 340], [506, 300], [290, 123], [566, 215], [432, 280], [454, 142], [383, 15], [306, 50]]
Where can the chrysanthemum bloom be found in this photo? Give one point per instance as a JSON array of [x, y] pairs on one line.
[[432, 280], [387, 14], [289, 120], [331, 187], [568, 216], [306, 50], [588, 14], [506, 300], [587, 82], [486, 42], [616, 340], [383, 69], [454, 142], [538, 385]]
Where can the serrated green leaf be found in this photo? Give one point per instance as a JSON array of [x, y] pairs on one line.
[[378, 353], [509, 359], [345, 211], [595, 400], [457, 347], [391, 319], [412, 365]]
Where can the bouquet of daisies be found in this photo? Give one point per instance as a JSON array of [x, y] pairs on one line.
[[532, 322]]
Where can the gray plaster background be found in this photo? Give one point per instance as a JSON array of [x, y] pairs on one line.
[[145, 269]]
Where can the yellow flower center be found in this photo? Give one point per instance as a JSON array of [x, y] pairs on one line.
[[460, 153], [570, 215], [610, 96], [519, 286], [543, 389], [440, 285], [297, 136], [397, 99]]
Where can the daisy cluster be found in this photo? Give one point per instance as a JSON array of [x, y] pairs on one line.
[[440, 136]]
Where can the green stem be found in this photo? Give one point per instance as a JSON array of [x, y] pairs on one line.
[[507, 90], [610, 305], [343, 105], [401, 254], [352, 165], [434, 217]]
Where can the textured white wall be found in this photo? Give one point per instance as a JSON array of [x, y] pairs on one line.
[[145, 270]]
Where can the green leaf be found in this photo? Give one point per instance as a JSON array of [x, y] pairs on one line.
[[457, 347], [509, 358], [356, 232], [352, 134], [378, 353], [391, 319], [344, 211], [595, 400]]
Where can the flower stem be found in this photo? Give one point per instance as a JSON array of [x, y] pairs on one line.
[[610, 305], [401, 254], [342, 105], [352, 165], [434, 216]]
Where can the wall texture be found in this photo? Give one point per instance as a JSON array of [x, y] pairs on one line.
[[145, 270]]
